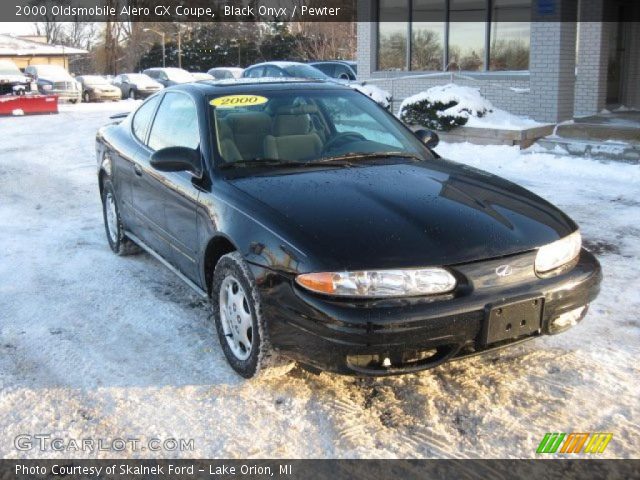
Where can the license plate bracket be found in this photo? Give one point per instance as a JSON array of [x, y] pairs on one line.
[[511, 320]]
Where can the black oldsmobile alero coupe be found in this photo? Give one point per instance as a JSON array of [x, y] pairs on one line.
[[327, 233]]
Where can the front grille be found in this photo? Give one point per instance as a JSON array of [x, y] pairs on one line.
[[63, 86]]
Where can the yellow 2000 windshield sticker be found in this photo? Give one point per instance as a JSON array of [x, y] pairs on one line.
[[234, 101]]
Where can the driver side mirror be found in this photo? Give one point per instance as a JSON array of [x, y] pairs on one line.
[[176, 159], [428, 137]]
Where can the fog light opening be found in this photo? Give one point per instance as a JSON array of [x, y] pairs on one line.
[[567, 320]]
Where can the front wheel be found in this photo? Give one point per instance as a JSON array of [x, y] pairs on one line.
[[118, 242], [132, 94], [238, 317], [86, 97]]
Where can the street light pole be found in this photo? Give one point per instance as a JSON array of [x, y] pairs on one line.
[[179, 50]]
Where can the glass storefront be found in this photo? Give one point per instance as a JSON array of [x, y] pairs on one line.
[[468, 35]]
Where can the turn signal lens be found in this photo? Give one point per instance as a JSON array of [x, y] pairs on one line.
[[558, 253], [379, 283]]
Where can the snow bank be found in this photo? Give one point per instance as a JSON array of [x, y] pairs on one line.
[[468, 100], [470, 105], [380, 96]]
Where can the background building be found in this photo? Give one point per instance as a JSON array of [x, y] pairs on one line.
[[32, 50], [549, 59]]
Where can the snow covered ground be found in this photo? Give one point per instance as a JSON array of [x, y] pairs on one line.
[[95, 345]]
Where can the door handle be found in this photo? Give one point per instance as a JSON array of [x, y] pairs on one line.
[[138, 170]]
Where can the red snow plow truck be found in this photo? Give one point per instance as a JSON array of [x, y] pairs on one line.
[[19, 94]]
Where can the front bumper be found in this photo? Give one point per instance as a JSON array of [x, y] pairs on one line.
[[104, 96], [65, 95], [412, 334]]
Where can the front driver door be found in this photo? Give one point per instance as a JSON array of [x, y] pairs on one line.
[[175, 193]]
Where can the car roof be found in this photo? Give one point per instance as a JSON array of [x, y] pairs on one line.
[[277, 63], [255, 85], [164, 68]]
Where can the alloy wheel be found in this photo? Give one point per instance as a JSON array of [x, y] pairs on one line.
[[112, 217], [236, 318]]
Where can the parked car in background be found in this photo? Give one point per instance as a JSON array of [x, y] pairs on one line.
[[285, 70], [341, 69], [201, 76], [12, 80], [98, 89], [169, 76], [54, 79], [136, 85], [224, 73]]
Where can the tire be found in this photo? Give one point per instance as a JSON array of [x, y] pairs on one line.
[[244, 339], [86, 98], [119, 243], [132, 94], [74, 101]]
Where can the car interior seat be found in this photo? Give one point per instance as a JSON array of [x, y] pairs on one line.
[[292, 136], [226, 144], [249, 130]]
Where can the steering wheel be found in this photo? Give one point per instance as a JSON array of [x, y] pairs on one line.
[[341, 139]]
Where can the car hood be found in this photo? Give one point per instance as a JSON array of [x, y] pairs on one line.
[[13, 78], [405, 215]]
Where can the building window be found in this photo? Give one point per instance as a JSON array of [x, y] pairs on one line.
[[470, 35], [510, 39], [392, 34]]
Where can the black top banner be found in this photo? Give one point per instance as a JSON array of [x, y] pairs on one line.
[[317, 11]]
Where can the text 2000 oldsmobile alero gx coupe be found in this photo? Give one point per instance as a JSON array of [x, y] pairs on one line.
[[326, 232]]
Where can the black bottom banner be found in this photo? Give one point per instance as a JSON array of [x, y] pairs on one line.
[[318, 469]]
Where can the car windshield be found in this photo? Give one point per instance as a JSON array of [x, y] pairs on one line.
[[305, 71], [178, 75], [308, 128], [9, 68], [95, 80]]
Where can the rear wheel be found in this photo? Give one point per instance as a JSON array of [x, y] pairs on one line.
[[238, 317], [118, 241]]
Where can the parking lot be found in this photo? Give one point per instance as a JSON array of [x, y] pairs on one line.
[[100, 346]]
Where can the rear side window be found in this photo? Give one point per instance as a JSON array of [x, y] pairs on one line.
[[142, 118], [325, 68], [274, 72], [255, 72], [176, 123]]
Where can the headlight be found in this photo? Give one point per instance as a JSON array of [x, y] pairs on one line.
[[47, 86], [558, 253], [380, 283]]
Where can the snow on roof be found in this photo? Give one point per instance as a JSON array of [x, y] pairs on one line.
[[16, 46]]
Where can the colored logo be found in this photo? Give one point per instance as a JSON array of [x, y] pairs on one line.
[[574, 442], [504, 270]]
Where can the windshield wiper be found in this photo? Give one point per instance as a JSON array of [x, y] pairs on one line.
[[278, 162], [367, 156], [263, 162]]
